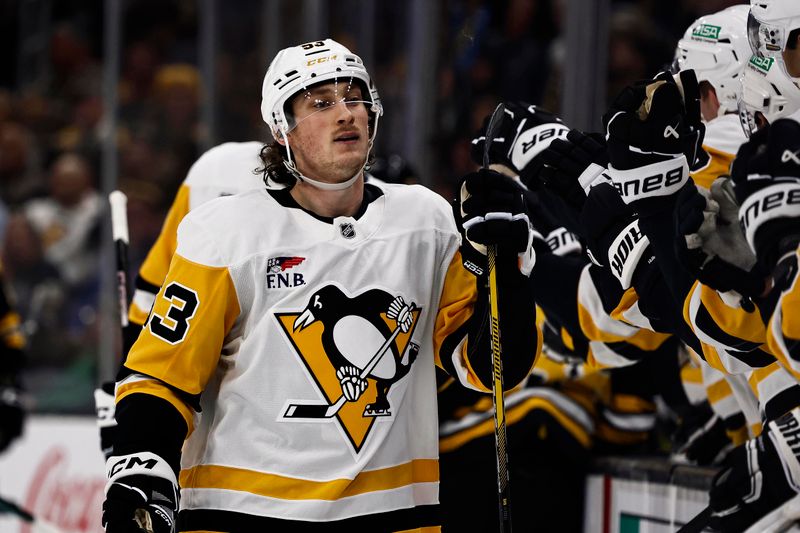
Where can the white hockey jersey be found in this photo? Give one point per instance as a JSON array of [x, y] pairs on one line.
[[262, 306]]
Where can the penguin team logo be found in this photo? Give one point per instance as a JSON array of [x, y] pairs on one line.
[[355, 350], [278, 278]]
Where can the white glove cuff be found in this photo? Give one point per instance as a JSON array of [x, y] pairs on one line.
[[591, 176], [142, 463], [659, 179], [769, 203], [625, 252], [785, 435], [527, 259]]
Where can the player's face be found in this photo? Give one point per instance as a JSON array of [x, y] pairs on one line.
[[330, 141]]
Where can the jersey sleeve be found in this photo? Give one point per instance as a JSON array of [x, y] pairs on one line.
[[612, 342], [733, 339], [462, 334], [179, 347]]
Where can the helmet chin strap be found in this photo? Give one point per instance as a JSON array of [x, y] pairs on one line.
[[321, 184]]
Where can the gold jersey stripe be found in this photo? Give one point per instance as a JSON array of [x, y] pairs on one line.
[[628, 299], [154, 388], [717, 391], [733, 321], [435, 529], [290, 488]]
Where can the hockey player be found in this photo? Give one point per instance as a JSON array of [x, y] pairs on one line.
[[284, 308]]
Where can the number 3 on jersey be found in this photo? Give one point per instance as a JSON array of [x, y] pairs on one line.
[[183, 306]]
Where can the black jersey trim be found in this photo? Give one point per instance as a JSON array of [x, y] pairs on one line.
[[284, 197], [234, 522]]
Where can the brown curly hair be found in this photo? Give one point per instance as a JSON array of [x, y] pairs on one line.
[[272, 156]]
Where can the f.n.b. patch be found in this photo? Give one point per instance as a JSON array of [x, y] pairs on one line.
[[278, 276]]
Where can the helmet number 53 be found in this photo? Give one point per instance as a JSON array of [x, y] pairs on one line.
[[173, 327]]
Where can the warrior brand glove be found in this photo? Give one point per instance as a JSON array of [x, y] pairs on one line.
[[766, 177], [654, 136], [523, 133], [353, 386], [493, 213], [141, 494], [571, 166], [612, 234], [105, 407], [760, 476], [710, 244]]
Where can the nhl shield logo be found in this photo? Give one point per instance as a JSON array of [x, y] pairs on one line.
[[347, 230], [355, 350]]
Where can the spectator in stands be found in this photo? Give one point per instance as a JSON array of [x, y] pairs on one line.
[[67, 221]]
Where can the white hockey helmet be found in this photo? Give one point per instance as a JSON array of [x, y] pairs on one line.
[[296, 68], [766, 90], [715, 46], [769, 27]]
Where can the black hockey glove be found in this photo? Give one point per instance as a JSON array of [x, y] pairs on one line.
[[766, 178], [12, 414], [612, 234], [702, 436], [493, 212], [758, 478], [654, 137], [710, 245], [525, 131], [105, 407], [141, 496], [571, 166]]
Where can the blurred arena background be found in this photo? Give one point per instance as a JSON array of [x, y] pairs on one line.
[[104, 94]]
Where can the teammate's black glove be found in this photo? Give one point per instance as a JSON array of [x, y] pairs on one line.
[[758, 477], [493, 213], [141, 496], [701, 436], [654, 136], [105, 408], [612, 234], [709, 242], [524, 132], [766, 178], [12, 414], [571, 166]]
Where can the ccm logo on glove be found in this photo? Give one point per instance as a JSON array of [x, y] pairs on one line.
[[132, 461]]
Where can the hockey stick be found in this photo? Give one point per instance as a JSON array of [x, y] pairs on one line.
[[698, 523], [37, 526], [498, 401], [326, 411], [119, 229]]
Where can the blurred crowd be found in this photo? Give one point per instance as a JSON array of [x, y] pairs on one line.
[[52, 128]]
